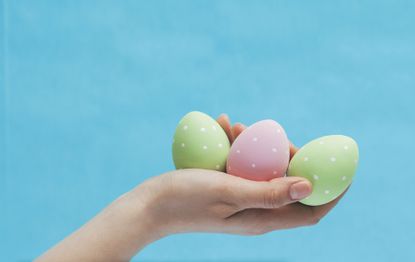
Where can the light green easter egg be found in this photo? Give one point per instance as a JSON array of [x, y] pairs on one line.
[[200, 142], [329, 163]]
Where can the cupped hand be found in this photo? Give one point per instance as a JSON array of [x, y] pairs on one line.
[[190, 200]]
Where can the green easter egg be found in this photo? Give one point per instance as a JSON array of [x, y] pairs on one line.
[[329, 163], [200, 142]]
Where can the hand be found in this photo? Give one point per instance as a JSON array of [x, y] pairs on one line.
[[209, 201], [187, 201]]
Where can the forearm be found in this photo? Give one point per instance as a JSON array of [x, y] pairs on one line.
[[186, 201], [115, 234]]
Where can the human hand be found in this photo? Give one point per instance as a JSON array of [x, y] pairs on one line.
[[190, 200], [209, 201]]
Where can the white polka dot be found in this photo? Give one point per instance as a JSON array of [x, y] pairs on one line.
[[220, 145], [183, 144], [326, 192], [346, 147], [274, 150], [205, 147], [217, 166], [255, 139], [203, 129], [321, 142], [214, 128], [305, 159], [274, 172], [315, 177], [253, 165], [185, 127], [332, 159], [238, 151], [344, 178]]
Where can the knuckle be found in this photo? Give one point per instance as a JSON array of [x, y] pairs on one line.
[[273, 198]]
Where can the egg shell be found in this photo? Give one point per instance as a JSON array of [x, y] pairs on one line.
[[200, 142], [329, 163], [260, 153]]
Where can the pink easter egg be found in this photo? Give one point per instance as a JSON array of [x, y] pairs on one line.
[[260, 153]]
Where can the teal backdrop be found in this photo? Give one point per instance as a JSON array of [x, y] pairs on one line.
[[91, 92]]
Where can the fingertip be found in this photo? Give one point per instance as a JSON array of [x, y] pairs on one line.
[[292, 145], [224, 121], [293, 150], [237, 129], [222, 116], [297, 188]]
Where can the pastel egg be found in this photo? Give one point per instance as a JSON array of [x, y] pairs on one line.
[[260, 153], [329, 163], [200, 142]]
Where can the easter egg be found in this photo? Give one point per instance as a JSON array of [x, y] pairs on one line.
[[200, 142], [260, 153], [329, 163]]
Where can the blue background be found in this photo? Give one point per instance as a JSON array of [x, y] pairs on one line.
[[91, 92]]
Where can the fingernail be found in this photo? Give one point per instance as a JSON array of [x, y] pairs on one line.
[[300, 190]]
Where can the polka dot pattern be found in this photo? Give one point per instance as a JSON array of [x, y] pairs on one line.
[[260, 152], [329, 163], [199, 142]]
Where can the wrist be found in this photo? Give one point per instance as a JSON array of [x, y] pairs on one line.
[[115, 234], [140, 220]]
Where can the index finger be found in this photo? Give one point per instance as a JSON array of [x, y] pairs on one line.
[[231, 131], [224, 122]]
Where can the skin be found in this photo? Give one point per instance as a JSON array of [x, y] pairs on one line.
[[190, 200]]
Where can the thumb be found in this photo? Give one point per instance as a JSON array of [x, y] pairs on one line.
[[273, 194]]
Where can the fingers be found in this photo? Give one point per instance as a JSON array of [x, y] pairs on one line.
[[278, 196], [274, 194], [231, 131], [259, 221], [237, 129], [224, 122], [293, 150], [234, 131], [321, 211]]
